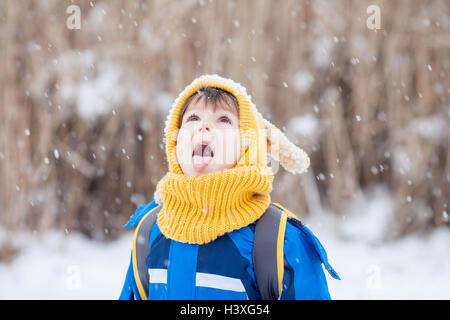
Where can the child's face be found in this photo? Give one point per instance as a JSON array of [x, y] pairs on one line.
[[208, 139]]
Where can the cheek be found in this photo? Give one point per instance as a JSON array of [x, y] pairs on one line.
[[231, 146], [183, 147], [234, 143]]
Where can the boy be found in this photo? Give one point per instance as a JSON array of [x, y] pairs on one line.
[[201, 237]]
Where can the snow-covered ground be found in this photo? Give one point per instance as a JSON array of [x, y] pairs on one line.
[[412, 268], [61, 266]]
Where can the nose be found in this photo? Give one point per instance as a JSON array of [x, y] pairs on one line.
[[205, 126]]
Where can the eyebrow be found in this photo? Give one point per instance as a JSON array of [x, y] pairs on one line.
[[221, 111]]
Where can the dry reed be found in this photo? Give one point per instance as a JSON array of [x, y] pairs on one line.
[[370, 95]]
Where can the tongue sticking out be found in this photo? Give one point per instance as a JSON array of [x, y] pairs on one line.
[[200, 162], [202, 156]]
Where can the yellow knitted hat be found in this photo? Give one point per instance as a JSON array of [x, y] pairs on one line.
[[258, 135], [191, 211]]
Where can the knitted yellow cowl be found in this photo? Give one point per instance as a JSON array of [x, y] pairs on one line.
[[198, 209]]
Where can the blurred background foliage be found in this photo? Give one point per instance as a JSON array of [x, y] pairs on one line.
[[82, 111]]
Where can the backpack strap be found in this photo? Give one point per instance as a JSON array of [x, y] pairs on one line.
[[290, 216], [141, 249], [268, 252]]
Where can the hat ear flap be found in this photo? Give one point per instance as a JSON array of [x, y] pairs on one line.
[[291, 157]]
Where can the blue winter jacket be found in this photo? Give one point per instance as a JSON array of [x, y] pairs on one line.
[[223, 268]]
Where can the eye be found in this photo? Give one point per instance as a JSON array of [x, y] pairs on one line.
[[193, 117], [225, 119]]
